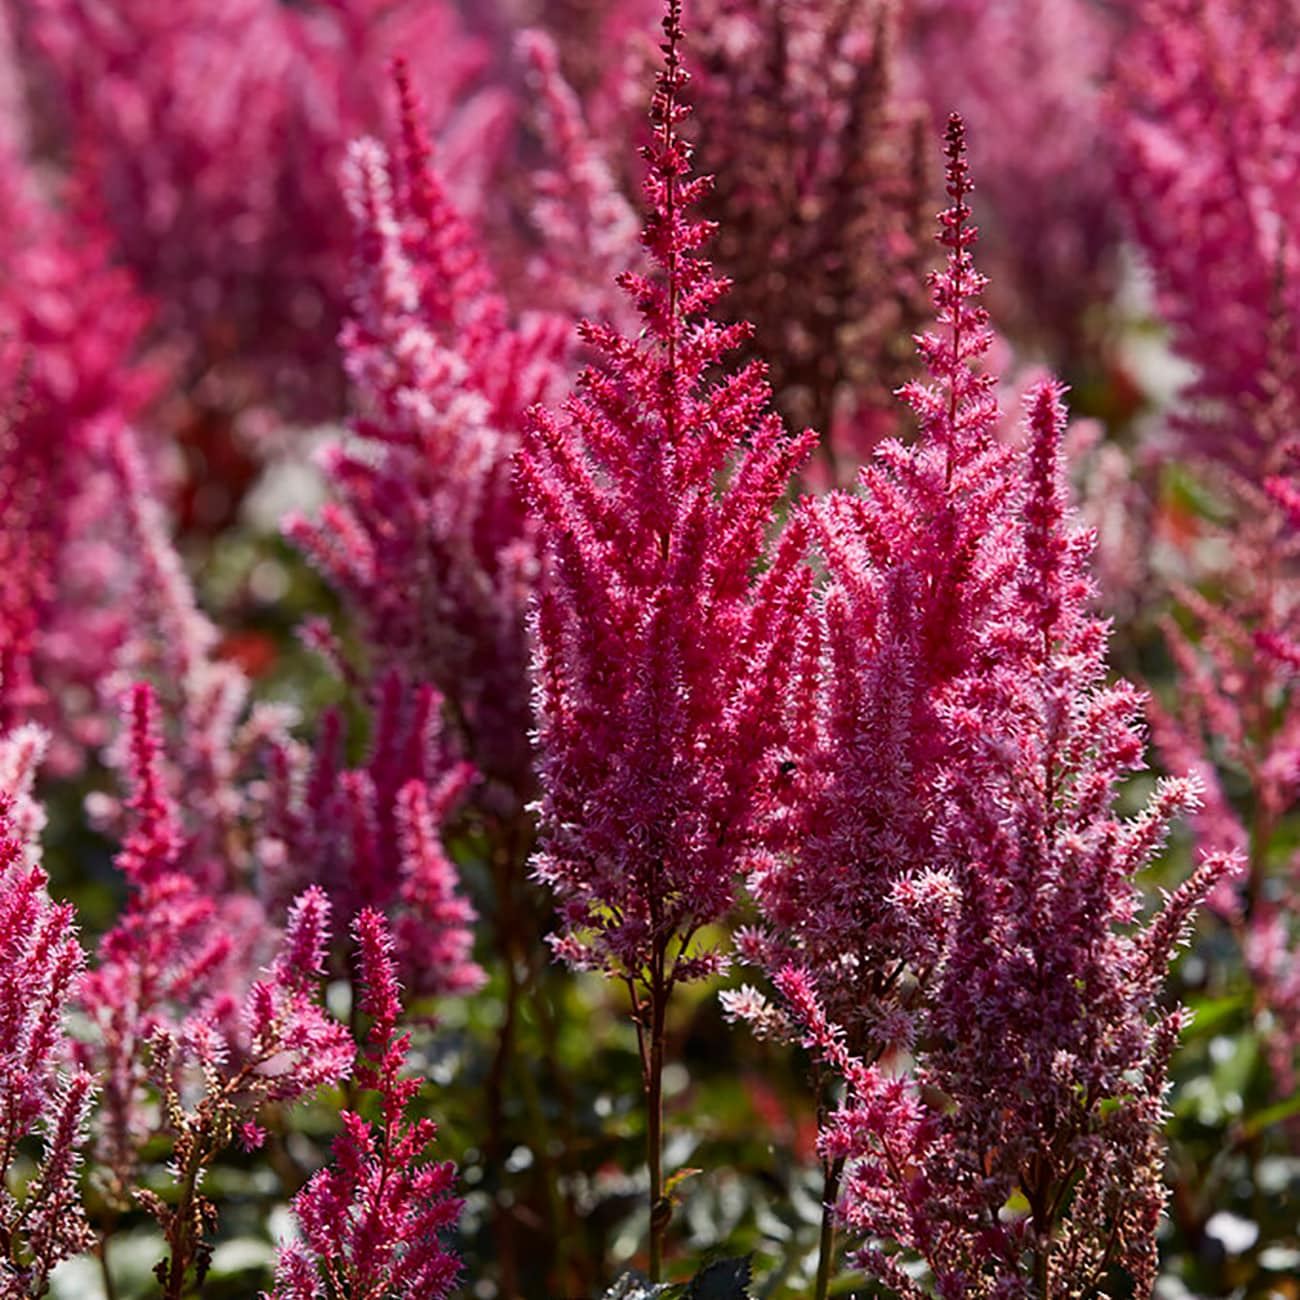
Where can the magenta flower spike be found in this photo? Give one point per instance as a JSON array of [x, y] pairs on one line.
[[370, 836], [1204, 103], [373, 1224], [953, 924], [426, 537], [661, 653], [42, 1093], [920, 567], [1204, 106], [210, 136]]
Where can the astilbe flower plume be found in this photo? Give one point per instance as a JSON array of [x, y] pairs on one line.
[[819, 195], [659, 650], [657, 645], [919, 565], [186, 1041], [427, 538], [1204, 100], [370, 837], [1018, 70], [173, 952], [372, 1225], [1046, 1034], [263, 817], [42, 1220], [994, 932], [1234, 721], [586, 227], [1213, 222], [213, 737], [70, 326], [278, 1046]]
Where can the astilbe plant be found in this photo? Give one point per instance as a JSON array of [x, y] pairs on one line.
[[213, 736], [995, 939], [598, 44], [659, 648], [187, 1043], [819, 196], [586, 227], [427, 538], [172, 953], [70, 326], [1204, 98], [372, 1225], [1046, 1035], [370, 836], [1016, 70], [278, 1045], [1212, 221], [266, 816], [919, 566], [42, 1220]]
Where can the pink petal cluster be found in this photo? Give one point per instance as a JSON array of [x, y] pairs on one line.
[[961, 891], [42, 1220], [372, 1225], [659, 645], [370, 836], [1205, 102], [1021, 70], [173, 954], [920, 568], [427, 538], [820, 197], [70, 324], [587, 228], [279, 1046]]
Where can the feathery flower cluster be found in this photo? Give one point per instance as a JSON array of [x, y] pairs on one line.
[[173, 953], [428, 539], [1045, 1033], [819, 196], [370, 836], [372, 1226], [213, 737], [981, 908], [278, 1046], [69, 329], [1054, 233], [587, 227], [920, 565], [657, 645], [41, 1216], [1205, 102], [1212, 219], [249, 839]]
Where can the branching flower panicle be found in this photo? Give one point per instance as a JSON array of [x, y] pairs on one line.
[[660, 652], [373, 1225]]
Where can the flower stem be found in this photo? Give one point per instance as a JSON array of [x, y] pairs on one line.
[[660, 1209], [831, 1170]]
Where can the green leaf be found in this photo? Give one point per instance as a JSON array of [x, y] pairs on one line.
[[1271, 1115], [1209, 1015], [676, 1180], [724, 1279]]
